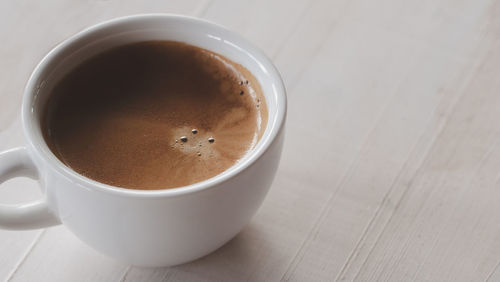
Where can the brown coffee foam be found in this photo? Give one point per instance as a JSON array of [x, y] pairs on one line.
[[117, 116]]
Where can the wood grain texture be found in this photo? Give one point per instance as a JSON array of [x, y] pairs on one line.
[[391, 167]]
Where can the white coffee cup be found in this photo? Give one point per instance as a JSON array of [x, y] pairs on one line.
[[144, 227]]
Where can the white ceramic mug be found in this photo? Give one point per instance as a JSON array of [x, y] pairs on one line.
[[144, 227]]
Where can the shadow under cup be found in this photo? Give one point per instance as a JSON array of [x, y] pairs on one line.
[[155, 227]]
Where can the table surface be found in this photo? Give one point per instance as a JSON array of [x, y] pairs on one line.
[[391, 165]]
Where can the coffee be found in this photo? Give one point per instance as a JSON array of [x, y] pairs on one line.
[[154, 115]]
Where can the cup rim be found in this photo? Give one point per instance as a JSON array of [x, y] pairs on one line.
[[49, 157]]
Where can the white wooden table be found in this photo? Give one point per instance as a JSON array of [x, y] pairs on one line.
[[391, 168]]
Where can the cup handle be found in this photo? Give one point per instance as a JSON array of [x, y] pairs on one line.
[[13, 163]]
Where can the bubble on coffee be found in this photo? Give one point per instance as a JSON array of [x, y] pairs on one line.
[[194, 146]]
